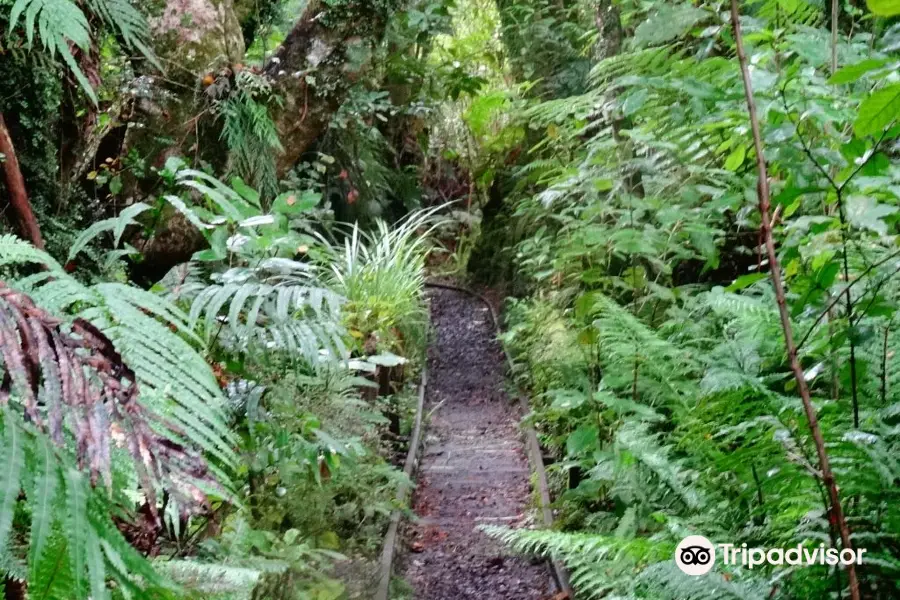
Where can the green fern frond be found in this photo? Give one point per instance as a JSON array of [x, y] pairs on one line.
[[131, 24], [250, 133]]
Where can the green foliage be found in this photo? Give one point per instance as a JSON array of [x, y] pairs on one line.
[[249, 132], [381, 276], [546, 43], [651, 338], [884, 8], [604, 566], [59, 23], [101, 391]]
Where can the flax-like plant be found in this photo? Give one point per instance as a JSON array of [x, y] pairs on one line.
[[381, 276]]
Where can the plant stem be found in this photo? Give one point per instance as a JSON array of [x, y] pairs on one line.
[[775, 272], [884, 359], [835, 7]]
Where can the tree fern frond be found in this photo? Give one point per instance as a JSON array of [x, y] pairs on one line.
[[131, 24], [57, 23], [85, 385], [43, 500], [16, 251], [278, 304]]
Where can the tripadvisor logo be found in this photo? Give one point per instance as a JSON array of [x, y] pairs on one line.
[[696, 555]]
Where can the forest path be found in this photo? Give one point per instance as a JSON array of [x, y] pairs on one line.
[[474, 469]]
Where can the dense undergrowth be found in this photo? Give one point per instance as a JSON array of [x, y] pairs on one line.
[[649, 332], [211, 339]]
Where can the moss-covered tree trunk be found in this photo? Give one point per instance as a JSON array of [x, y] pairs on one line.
[[328, 49]]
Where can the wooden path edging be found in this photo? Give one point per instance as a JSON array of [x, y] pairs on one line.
[[390, 540]]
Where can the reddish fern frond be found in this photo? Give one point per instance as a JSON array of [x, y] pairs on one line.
[[72, 384]]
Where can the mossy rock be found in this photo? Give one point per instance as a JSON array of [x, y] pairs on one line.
[[195, 37]]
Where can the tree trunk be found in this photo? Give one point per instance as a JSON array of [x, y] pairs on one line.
[[608, 20], [15, 187], [324, 54], [609, 24]]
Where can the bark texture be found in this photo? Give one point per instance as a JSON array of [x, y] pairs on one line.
[[194, 37], [15, 187], [328, 49]]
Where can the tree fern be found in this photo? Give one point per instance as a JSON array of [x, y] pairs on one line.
[[127, 21]]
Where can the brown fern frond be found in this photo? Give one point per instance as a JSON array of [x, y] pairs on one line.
[[72, 384]]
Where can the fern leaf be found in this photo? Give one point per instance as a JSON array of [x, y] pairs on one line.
[[13, 456], [117, 225], [15, 251], [43, 499], [77, 529]]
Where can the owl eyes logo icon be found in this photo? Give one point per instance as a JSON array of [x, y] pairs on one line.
[[695, 555]]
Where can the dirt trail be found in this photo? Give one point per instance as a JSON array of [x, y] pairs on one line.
[[473, 470]]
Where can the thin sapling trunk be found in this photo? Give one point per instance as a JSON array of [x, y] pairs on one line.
[[15, 187], [763, 194]]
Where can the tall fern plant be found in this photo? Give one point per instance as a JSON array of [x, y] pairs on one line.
[[105, 398]]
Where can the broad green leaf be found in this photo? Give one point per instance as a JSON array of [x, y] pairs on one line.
[[745, 281], [884, 8], [827, 275], [789, 194], [878, 111], [246, 192], [864, 212], [386, 360], [852, 73], [293, 203], [566, 399], [582, 440], [634, 102], [736, 158]]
